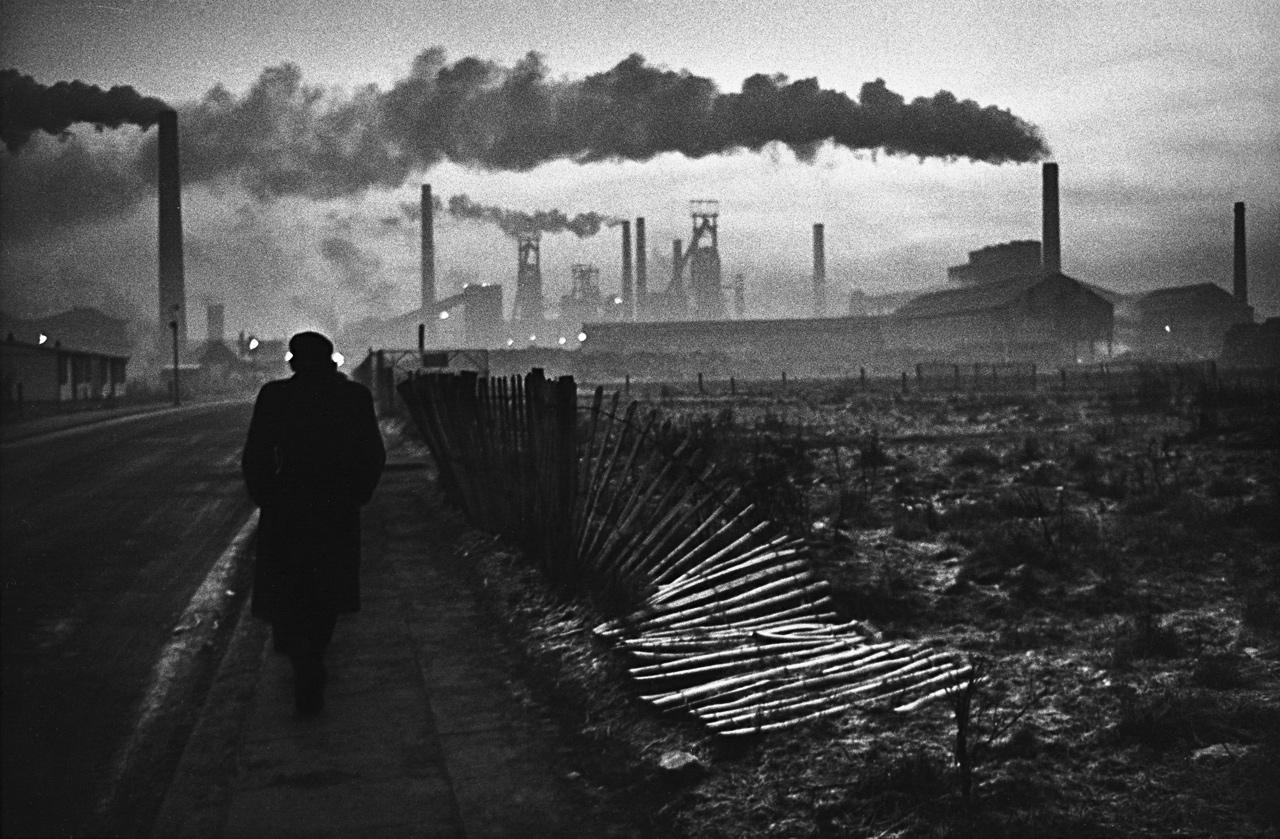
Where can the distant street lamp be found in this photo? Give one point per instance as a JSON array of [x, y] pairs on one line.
[[173, 327]]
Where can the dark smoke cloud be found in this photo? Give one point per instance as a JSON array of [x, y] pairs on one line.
[[476, 112], [56, 186], [412, 210], [285, 137], [26, 106], [358, 271], [515, 222]]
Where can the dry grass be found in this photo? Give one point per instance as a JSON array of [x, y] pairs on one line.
[[1116, 563]]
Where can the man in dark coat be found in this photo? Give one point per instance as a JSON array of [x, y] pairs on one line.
[[313, 457]]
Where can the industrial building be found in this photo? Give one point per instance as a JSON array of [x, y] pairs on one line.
[[49, 372], [1051, 318], [1009, 301], [1186, 322]]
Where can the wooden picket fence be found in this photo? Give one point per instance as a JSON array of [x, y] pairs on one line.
[[718, 611]]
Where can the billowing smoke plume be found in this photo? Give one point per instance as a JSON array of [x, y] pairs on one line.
[[357, 270], [26, 106], [515, 222], [284, 137]]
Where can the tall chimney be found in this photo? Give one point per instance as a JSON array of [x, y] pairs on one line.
[[628, 307], [428, 252], [642, 270], [217, 321], [173, 293], [1241, 276], [819, 272], [1051, 259], [677, 248]]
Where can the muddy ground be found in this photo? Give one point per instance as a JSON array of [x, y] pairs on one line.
[[1111, 561]]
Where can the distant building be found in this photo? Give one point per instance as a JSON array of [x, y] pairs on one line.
[[862, 304], [809, 346], [1051, 317], [1188, 321], [81, 328], [1253, 344], [996, 263], [48, 372]]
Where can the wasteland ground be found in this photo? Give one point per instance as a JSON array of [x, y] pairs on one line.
[[1109, 559]]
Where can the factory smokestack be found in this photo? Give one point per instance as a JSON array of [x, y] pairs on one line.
[[642, 269], [1241, 276], [677, 249], [428, 250], [173, 293], [628, 308], [214, 332], [1051, 260], [819, 272]]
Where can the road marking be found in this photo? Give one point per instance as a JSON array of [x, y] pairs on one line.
[[195, 628]]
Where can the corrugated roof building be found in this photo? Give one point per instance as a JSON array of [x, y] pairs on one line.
[[1051, 317]]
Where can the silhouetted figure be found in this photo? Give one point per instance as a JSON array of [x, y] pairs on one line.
[[313, 456]]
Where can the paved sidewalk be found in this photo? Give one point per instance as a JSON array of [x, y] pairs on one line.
[[421, 735]]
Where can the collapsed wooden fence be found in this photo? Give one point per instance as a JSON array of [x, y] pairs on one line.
[[718, 611]]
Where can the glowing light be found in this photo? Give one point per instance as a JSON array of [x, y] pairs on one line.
[[253, 343], [444, 316], [1166, 328], [338, 358], [43, 337], [617, 301], [510, 341], [562, 339], [533, 337], [288, 356], [582, 336]]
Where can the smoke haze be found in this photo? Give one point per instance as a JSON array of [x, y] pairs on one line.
[[285, 137], [515, 222], [26, 106]]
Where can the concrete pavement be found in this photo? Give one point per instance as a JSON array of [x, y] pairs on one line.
[[422, 734]]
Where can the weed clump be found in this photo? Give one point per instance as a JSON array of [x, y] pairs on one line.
[[976, 457], [1144, 636]]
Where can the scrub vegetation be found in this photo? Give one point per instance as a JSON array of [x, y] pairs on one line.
[[1110, 563]]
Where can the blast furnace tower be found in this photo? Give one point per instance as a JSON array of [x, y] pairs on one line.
[[528, 303]]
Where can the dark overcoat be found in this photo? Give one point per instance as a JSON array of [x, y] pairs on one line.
[[313, 457]]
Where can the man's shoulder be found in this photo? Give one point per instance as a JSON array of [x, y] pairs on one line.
[[273, 388], [354, 388]]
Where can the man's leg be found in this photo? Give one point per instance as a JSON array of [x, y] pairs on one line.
[[314, 631]]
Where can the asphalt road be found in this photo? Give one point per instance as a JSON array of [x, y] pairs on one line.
[[106, 532]]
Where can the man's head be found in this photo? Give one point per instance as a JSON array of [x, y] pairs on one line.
[[311, 352]]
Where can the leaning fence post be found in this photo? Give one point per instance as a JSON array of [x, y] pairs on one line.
[[626, 385], [733, 387], [862, 376], [700, 390], [920, 377], [904, 381]]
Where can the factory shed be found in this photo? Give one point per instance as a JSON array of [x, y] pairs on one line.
[[1030, 318], [810, 346], [32, 372], [1188, 321]]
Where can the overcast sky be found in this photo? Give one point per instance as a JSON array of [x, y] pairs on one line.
[[1160, 115]]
